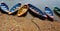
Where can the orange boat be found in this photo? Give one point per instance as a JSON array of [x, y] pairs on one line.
[[22, 10]]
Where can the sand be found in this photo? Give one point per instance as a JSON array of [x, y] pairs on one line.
[[14, 23]]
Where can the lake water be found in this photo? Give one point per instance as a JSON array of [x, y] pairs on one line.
[[38, 3]]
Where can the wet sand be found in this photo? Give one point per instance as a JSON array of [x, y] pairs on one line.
[[27, 23]]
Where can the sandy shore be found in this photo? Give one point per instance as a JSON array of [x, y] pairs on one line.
[[14, 23]]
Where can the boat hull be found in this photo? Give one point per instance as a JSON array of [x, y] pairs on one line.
[[49, 12], [22, 10], [14, 8], [4, 7], [57, 10], [36, 11]]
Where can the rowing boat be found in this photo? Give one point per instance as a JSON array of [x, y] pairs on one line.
[[49, 12], [22, 10], [14, 8], [4, 7], [36, 11], [57, 10]]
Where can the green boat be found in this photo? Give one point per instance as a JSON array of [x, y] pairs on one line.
[[57, 10]]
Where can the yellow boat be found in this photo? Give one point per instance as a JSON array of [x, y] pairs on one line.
[[22, 10]]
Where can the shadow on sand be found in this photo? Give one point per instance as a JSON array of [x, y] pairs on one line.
[[3, 11], [50, 19]]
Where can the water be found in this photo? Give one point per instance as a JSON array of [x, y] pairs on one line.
[[38, 3]]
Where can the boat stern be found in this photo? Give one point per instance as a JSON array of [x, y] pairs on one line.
[[45, 16], [52, 17], [9, 13]]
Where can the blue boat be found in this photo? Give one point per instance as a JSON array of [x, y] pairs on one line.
[[36, 10], [14, 8], [4, 7], [49, 12]]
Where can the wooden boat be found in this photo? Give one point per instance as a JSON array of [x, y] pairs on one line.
[[57, 10], [4, 7], [14, 8], [49, 12], [22, 10], [36, 10]]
